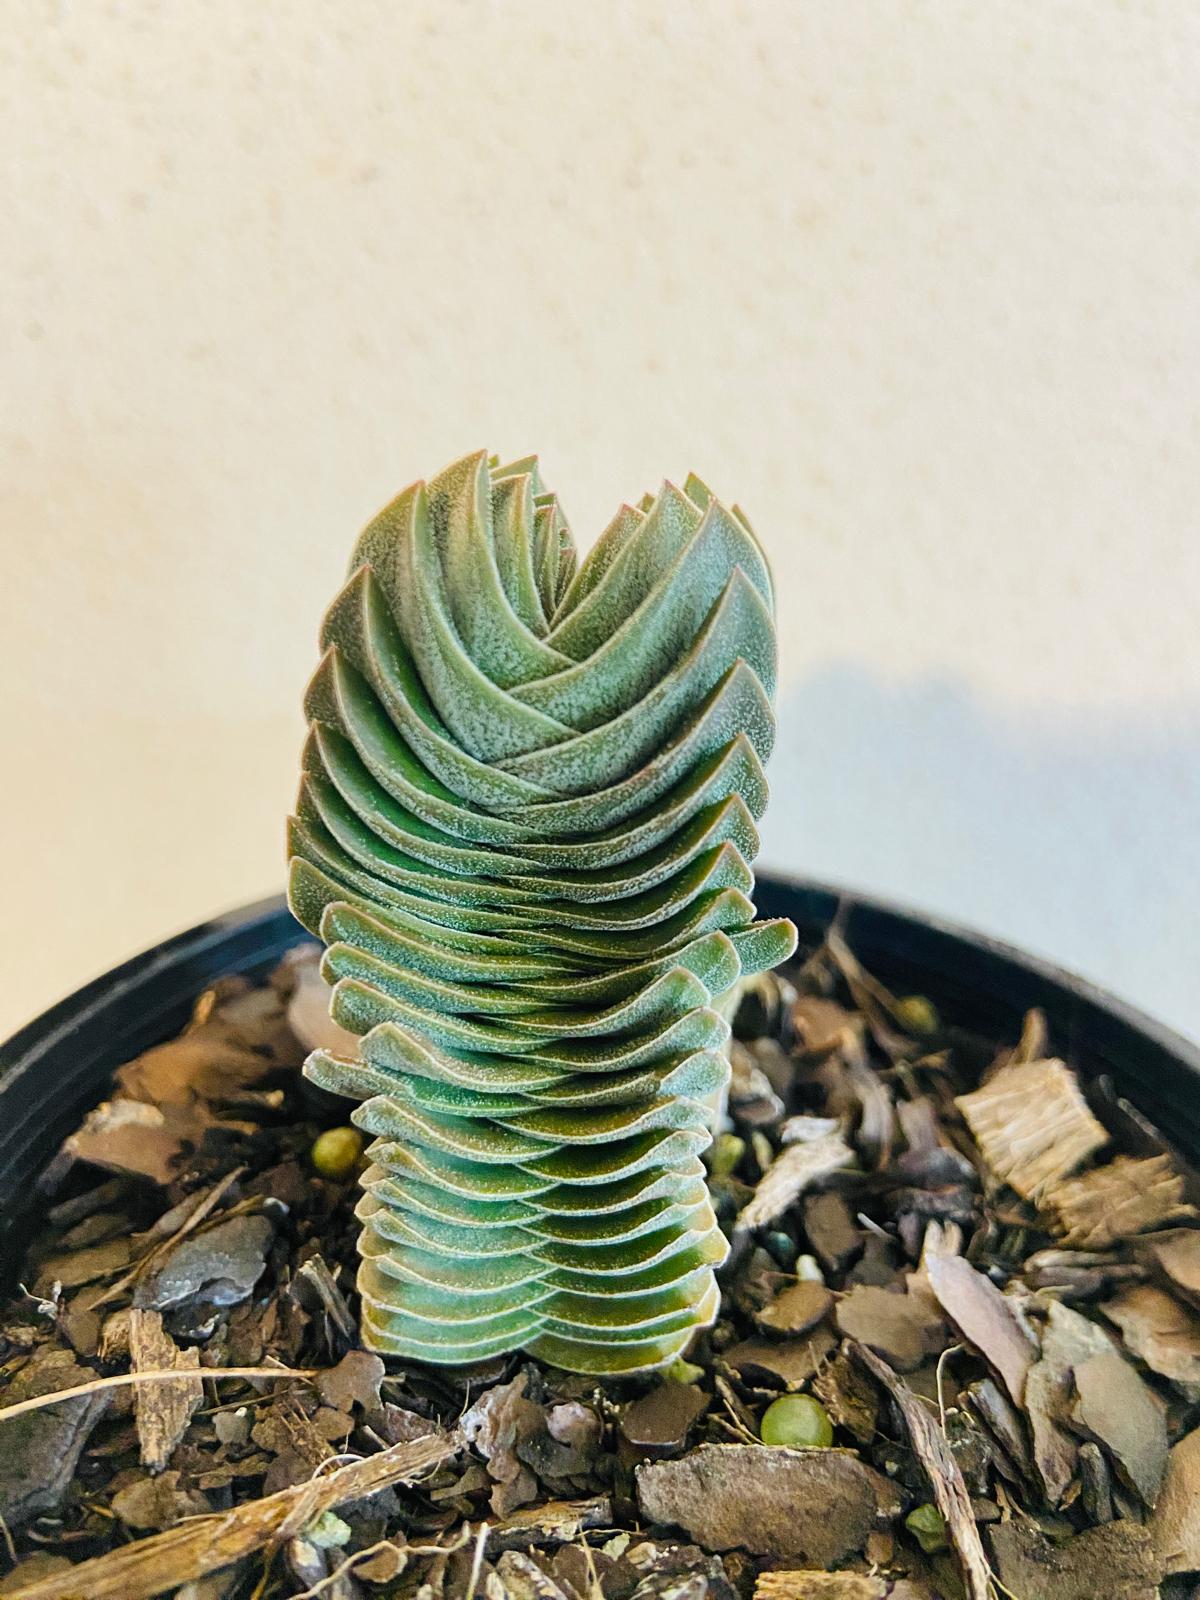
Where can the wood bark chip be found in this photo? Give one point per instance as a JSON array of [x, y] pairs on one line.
[[206, 1544], [1160, 1331], [950, 1495], [1177, 1257], [1176, 1521], [1032, 1125], [820, 1505], [796, 1309], [553, 1522], [984, 1317], [1113, 1562], [1118, 1201], [1068, 1340], [795, 1169], [781, 1363], [658, 1423], [49, 1423], [1116, 1409], [163, 1409], [902, 1328]]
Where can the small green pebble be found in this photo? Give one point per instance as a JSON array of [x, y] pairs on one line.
[[726, 1152], [681, 1371], [917, 1014], [328, 1532], [798, 1421], [335, 1153], [808, 1269], [782, 1246], [928, 1528]]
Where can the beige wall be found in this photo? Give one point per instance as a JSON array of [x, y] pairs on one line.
[[918, 281]]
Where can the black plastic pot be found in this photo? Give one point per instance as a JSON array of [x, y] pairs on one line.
[[54, 1070]]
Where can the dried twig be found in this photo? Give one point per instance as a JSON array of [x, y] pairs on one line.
[[121, 1379]]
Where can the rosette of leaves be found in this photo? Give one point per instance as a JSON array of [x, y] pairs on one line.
[[524, 832]]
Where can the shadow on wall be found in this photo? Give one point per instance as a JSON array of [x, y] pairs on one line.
[[1075, 834]]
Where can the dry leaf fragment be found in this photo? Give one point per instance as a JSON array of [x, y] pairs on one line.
[[137, 1140], [821, 1025], [796, 1168], [984, 1317], [353, 1382], [156, 1503], [1161, 1332], [1118, 1201], [500, 1422], [163, 1409], [1032, 1125]]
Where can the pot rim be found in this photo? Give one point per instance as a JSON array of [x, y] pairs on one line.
[[825, 901]]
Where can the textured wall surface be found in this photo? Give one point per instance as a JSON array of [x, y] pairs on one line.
[[918, 281]]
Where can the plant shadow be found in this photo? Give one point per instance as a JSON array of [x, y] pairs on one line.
[[1071, 832]]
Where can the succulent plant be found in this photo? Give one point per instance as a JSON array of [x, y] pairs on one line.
[[524, 831]]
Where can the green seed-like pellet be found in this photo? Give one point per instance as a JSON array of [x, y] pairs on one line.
[[797, 1421], [917, 1014], [335, 1153]]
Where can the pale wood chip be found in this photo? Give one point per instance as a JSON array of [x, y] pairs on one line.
[[163, 1409], [1032, 1125], [1128, 1196], [819, 1586], [796, 1168]]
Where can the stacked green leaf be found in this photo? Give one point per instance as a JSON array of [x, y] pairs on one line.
[[524, 833]]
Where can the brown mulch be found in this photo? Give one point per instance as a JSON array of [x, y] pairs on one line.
[[984, 1269]]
